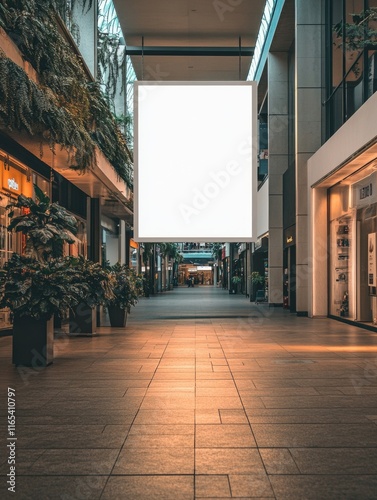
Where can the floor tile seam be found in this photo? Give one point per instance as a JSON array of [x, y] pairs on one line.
[[264, 447], [307, 407], [250, 426], [94, 474], [195, 424], [229, 485], [110, 474], [35, 460], [316, 447], [293, 458], [330, 474], [133, 420]]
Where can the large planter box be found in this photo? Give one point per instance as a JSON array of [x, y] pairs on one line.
[[118, 316], [82, 320], [33, 342]]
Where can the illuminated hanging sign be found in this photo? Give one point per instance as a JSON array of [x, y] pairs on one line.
[[195, 153]]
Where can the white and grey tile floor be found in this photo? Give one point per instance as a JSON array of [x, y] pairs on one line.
[[204, 395]]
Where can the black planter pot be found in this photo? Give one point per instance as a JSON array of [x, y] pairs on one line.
[[82, 320], [57, 322], [33, 342], [118, 316]]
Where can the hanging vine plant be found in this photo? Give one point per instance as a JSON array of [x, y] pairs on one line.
[[107, 133], [26, 106], [110, 61], [68, 93]]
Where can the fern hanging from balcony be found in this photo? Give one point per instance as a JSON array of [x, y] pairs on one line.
[[24, 106], [79, 102]]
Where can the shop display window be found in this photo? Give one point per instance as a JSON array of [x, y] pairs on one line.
[[341, 266], [9, 243]]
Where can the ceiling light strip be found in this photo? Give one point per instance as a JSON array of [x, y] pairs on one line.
[[269, 22]]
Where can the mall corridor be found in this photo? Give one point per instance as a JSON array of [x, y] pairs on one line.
[[203, 395]]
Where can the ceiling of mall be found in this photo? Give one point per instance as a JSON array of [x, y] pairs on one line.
[[190, 23]]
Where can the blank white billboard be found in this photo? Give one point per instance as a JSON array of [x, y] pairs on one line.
[[195, 161]]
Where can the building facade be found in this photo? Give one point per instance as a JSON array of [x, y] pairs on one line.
[[45, 140], [317, 200]]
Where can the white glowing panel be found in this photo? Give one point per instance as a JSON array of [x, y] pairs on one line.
[[195, 161]]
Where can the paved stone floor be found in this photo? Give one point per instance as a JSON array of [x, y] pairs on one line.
[[204, 395]]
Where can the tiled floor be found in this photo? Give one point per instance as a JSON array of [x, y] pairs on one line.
[[204, 395]]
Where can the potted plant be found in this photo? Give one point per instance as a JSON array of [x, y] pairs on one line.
[[256, 280], [45, 225], [127, 287], [40, 283], [35, 292], [236, 281], [82, 317]]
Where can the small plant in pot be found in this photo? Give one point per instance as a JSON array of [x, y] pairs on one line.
[[256, 281], [99, 291], [40, 283], [127, 287], [35, 292], [236, 282]]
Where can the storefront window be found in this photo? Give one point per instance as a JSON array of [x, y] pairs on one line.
[[353, 252], [15, 179], [341, 272]]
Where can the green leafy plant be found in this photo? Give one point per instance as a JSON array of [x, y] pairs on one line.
[[42, 282], [46, 225], [171, 250], [39, 290], [97, 279], [236, 280], [66, 108], [215, 248], [256, 278], [24, 105], [127, 286], [359, 34]]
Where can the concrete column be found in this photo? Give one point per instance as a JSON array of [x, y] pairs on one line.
[[308, 128], [94, 230], [318, 277], [277, 165], [122, 242], [215, 275]]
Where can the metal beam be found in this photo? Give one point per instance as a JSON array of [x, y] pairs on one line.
[[190, 51]]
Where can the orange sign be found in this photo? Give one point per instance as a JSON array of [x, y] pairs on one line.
[[27, 186], [133, 244], [16, 182]]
